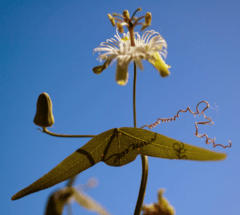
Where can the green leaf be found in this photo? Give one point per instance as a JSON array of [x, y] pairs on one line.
[[117, 147]]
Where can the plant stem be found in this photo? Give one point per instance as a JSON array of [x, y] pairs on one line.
[[143, 185], [71, 181], [134, 96], [144, 158], [63, 135]]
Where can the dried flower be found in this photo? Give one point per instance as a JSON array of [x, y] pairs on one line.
[[163, 207]]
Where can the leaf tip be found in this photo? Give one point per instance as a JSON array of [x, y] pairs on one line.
[[222, 156], [14, 197]]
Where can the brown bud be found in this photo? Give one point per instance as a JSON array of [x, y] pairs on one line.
[[44, 116]]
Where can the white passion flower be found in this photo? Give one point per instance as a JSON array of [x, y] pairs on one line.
[[151, 47]]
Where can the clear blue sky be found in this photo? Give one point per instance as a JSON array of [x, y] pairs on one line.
[[47, 46]]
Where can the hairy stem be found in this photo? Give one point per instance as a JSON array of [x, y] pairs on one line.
[[144, 158], [64, 135]]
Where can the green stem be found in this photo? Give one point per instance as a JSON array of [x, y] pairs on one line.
[[144, 158], [143, 185], [63, 135], [134, 96], [71, 181]]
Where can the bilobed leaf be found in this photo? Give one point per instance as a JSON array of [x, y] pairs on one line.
[[117, 147]]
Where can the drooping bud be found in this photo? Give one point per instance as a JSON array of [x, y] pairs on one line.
[[148, 18], [111, 20], [126, 14], [44, 116], [120, 28]]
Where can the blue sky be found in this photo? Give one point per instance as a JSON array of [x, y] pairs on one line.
[[47, 46]]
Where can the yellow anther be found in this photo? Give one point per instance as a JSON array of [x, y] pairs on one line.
[[144, 25], [148, 18], [126, 14], [111, 20], [120, 27]]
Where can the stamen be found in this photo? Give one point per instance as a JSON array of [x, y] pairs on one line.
[[117, 14], [144, 26], [126, 14], [136, 20], [148, 18], [111, 20], [120, 27]]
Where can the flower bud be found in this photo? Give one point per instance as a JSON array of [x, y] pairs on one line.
[[120, 27], [148, 18], [44, 116], [111, 20], [126, 14]]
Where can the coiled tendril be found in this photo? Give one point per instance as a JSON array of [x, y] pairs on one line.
[[208, 122]]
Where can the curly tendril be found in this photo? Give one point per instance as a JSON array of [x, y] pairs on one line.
[[208, 122]]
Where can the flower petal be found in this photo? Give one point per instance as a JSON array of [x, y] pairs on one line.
[[122, 73], [159, 64], [138, 62]]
